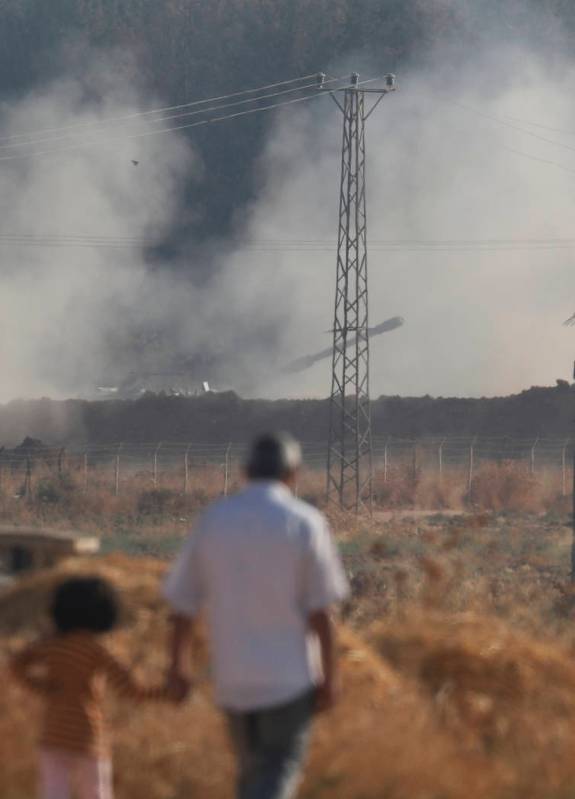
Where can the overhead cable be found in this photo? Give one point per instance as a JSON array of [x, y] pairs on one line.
[[536, 158], [165, 109], [300, 245], [540, 125], [187, 126], [510, 125], [143, 134], [197, 112]]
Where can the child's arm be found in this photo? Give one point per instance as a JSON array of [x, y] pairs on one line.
[[28, 668], [123, 682]]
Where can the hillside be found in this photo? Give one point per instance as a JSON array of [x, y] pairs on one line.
[[220, 418]]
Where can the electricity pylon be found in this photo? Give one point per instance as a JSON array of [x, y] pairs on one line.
[[349, 460]]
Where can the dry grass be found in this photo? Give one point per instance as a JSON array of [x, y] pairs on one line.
[[145, 505], [457, 647], [459, 679], [495, 487]]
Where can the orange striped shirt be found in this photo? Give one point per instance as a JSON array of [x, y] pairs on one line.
[[71, 673]]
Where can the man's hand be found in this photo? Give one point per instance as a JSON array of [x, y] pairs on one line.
[[327, 691], [178, 687], [326, 696]]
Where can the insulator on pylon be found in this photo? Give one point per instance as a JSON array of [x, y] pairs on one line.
[[321, 76], [355, 79], [389, 80]]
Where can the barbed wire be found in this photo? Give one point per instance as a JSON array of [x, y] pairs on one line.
[[496, 447]]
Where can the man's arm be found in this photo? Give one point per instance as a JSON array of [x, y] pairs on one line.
[[179, 680], [183, 591], [324, 586], [321, 624]]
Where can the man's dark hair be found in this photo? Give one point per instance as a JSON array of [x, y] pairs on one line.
[[85, 603], [274, 456]]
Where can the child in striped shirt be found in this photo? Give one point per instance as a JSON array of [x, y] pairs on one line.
[[70, 672]]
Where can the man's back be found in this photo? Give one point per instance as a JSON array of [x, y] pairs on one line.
[[259, 564]]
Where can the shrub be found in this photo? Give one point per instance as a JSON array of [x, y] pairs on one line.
[[155, 502], [54, 491], [506, 487]]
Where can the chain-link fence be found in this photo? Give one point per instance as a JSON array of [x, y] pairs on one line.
[[117, 465]]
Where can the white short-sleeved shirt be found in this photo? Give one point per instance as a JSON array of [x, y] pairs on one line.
[[258, 564]]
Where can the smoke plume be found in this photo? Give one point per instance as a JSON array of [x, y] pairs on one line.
[[454, 156]]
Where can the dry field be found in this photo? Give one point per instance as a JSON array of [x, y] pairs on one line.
[[142, 503], [458, 648]]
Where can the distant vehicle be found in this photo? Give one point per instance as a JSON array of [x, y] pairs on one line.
[[173, 384]]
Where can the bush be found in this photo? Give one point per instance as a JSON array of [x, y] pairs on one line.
[[156, 501], [506, 487], [54, 491]]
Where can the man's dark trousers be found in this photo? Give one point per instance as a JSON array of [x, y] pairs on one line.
[[271, 745]]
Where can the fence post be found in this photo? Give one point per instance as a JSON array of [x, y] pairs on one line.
[[414, 462], [471, 470], [117, 472], [61, 456], [440, 459], [28, 479], [227, 470], [155, 469], [187, 469], [502, 454], [385, 460], [85, 471], [533, 448], [564, 468]]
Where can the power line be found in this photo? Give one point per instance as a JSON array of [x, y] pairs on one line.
[[511, 125], [461, 246], [540, 125], [537, 158], [300, 245], [426, 242], [72, 237], [197, 112], [384, 242], [519, 129], [64, 241], [200, 123], [166, 109]]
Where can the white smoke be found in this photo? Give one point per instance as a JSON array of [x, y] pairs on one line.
[[476, 322], [61, 306], [73, 317]]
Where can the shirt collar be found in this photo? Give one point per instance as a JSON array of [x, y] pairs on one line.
[[268, 488]]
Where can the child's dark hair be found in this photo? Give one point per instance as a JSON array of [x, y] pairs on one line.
[[85, 603]]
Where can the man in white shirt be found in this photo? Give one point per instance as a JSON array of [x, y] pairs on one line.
[[264, 570]]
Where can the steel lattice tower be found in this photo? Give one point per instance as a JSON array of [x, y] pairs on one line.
[[349, 464]]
